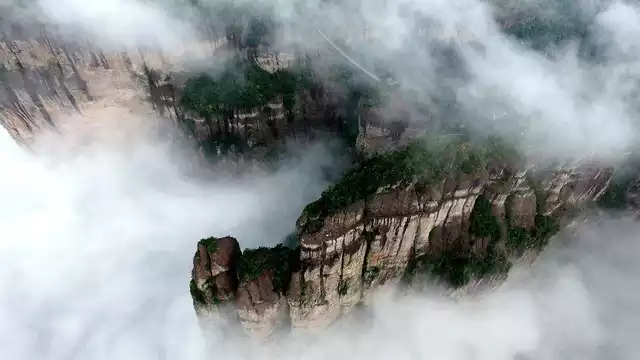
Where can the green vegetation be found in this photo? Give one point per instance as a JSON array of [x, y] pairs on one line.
[[255, 262], [210, 243], [615, 197], [370, 274], [245, 86], [555, 22], [360, 91], [546, 226], [422, 162], [242, 85], [540, 34], [519, 240], [200, 296], [357, 85], [258, 31], [196, 294], [291, 241], [363, 181], [457, 267], [483, 223]]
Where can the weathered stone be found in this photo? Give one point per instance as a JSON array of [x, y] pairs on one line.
[[363, 247], [214, 279], [261, 309]]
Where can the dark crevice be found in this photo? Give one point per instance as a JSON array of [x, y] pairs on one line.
[[30, 85]]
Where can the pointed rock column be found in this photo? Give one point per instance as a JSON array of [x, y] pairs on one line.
[[214, 280]]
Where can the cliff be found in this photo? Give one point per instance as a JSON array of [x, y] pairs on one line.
[[446, 210], [47, 81], [49, 85], [455, 212]]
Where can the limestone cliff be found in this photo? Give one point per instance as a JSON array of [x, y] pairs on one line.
[[46, 81], [48, 84], [456, 212]]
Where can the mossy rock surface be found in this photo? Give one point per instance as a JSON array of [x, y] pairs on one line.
[[255, 262], [422, 162], [196, 294], [243, 85], [457, 265], [210, 243]]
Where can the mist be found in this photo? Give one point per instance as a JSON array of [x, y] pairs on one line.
[[96, 250], [96, 244], [570, 98], [575, 97]]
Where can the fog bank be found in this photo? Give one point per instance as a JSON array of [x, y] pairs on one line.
[[96, 244]]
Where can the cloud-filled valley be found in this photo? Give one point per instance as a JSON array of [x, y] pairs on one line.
[[96, 243], [96, 255]]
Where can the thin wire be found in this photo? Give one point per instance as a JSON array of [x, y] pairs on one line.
[[373, 76]]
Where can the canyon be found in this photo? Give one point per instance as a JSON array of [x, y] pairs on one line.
[[415, 209]]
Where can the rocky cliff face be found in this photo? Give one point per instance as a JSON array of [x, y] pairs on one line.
[[48, 85], [407, 216], [247, 287], [46, 81]]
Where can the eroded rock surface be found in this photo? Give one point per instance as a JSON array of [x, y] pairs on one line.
[[385, 222], [247, 287], [214, 279]]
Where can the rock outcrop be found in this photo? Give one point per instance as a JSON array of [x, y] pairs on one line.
[[214, 278], [47, 83], [457, 214], [248, 286]]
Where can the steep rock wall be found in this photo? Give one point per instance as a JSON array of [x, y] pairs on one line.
[[47, 85], [45, 81], [465, 225], [374, 242]]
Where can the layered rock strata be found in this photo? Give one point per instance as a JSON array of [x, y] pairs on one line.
[[386, 222], [48, 85]]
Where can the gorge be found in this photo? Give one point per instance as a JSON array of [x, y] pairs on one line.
[[320, 173]]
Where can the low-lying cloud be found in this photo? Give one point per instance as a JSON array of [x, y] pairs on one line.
[[569, 98], [574, 98], [96, 246], [96, 250], [119, 24]]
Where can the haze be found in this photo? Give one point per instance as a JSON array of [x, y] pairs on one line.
[[96, 242]]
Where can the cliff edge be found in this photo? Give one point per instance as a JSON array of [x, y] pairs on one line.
[[443, 209]]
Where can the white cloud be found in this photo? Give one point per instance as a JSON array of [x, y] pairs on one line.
[[120, 23], [96, 249]]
